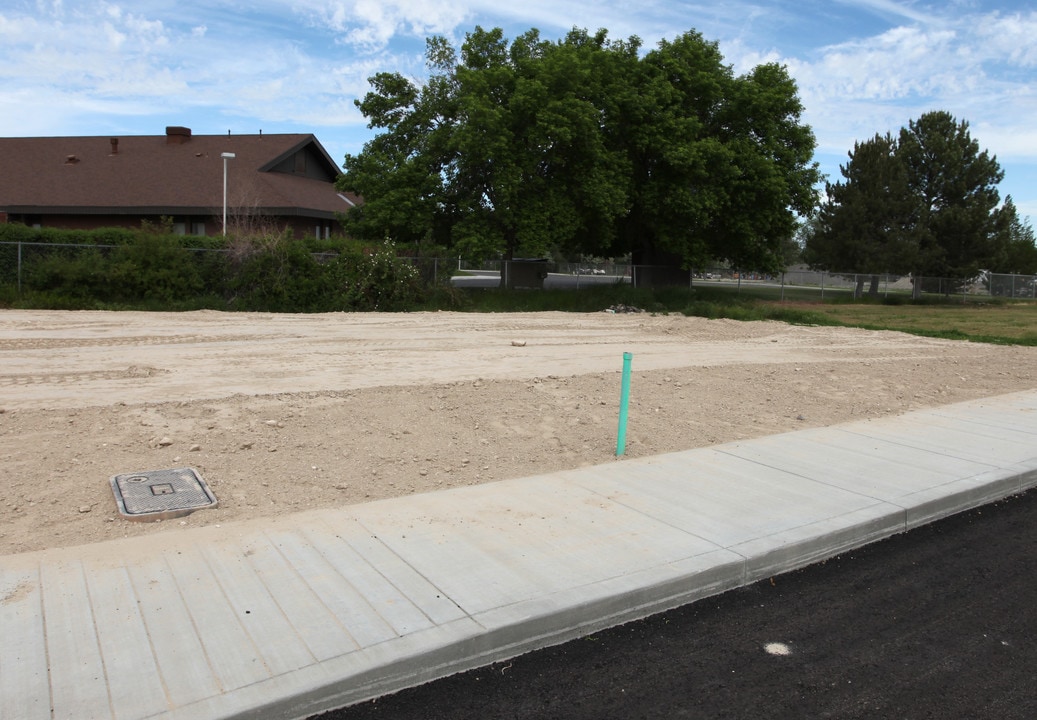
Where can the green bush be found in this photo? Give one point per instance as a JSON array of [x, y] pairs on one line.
[[275, 274], [283, 275], [155, 269], [375, 281], [16, 232], [79, 275]]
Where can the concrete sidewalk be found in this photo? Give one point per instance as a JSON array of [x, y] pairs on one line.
[[285, 618]]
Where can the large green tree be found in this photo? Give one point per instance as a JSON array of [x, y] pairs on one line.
[[954, 188], [530, 168], [862, 226], [583, 146], [1015, 244], [722, 163], [500, 151], [923, 203]]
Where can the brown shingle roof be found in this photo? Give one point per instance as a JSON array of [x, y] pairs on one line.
[[151, 175]]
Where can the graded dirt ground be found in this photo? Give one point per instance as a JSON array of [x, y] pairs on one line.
[[281, 413]]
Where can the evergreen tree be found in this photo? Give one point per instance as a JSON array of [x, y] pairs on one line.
[[862, 225], [923, 203], [1016, 246], [953, 187]]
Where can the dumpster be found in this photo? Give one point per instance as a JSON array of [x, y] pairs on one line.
[[525, 273]]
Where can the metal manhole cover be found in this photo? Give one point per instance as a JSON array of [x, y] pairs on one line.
[[161, 494]]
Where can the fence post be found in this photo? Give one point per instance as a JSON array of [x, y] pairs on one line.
[[19, 267]]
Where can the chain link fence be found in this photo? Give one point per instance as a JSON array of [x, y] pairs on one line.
[[23, 264], [985, 284], [804, 281]]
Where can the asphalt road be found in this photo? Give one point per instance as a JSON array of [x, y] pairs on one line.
[[554, 281], [935, 623]]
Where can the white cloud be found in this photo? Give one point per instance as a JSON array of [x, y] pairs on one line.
[[371, 24], [898, 63], [1011, 39], [77, 49], [978, 67], [890, 8]]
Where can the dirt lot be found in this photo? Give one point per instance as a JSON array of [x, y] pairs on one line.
[[281, 413]]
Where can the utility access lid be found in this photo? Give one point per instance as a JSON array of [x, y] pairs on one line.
[[161, 494]]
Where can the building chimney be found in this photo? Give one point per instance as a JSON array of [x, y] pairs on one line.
[[176, 135], [115, 146]]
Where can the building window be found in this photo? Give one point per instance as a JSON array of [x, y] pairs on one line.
[[33, 221], [185, 226]]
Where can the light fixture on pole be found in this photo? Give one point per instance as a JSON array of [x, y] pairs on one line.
[[226, 156]]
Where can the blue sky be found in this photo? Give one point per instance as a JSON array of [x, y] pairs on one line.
[[114, 67]]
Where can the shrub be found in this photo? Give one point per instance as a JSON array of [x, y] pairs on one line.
[[154, 269], [77, 274], [274, 273], [375, 281]]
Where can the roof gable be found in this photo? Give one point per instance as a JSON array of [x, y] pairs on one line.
[[308, 157]]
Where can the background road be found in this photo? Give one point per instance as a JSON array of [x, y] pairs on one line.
[[935, 623], [553, 281]]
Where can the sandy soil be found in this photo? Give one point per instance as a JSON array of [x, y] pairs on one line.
[[282, 413]]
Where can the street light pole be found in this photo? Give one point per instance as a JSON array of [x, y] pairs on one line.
[[226, 156]]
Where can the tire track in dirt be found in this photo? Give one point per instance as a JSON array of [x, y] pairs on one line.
[[18, 344], [71, 378]]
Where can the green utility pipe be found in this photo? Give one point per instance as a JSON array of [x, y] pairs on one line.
[[624, 402]]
